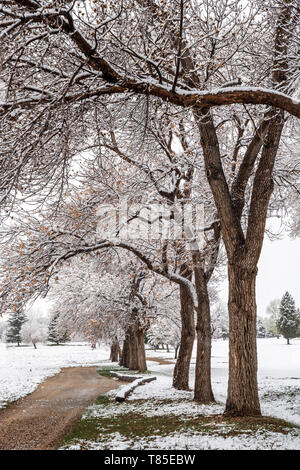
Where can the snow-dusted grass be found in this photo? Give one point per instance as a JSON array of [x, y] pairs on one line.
[[258, 440], [23, 368], [156, 416]]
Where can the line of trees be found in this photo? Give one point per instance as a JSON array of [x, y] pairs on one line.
[[155, 101], [33, 327]]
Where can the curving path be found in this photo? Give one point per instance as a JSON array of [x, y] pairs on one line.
[[42, 418]]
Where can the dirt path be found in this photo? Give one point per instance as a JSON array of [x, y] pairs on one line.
[[161, 361], [41, 419]]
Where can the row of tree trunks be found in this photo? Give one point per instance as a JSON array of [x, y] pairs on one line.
[[202, 389], [133, 354]]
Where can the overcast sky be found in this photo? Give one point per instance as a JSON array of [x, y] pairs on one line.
[[278, 271]]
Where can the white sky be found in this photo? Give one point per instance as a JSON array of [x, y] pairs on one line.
[[278, 271]]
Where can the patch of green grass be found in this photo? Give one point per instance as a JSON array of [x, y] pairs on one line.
[[103, 400], [134, 425], [105, 371], [241, 425], [86, 429]]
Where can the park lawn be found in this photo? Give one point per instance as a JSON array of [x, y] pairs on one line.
[[175, 424], [156, 416]]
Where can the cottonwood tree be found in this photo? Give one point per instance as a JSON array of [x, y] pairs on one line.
[[74, 227], [195, 55], [89, 301], [166, 330], [219, 323], [166, 327], [273, 312], [167, 167], [35, 329], [98, 298]]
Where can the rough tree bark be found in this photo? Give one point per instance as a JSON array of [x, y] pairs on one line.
[[203, 390], [182, 366], [115, 351], [133, 354], [242, 398]]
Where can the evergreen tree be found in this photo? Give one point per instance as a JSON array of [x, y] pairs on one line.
[[224, 333], [261, 331], [288, 323], [14, 325], [57, 334]]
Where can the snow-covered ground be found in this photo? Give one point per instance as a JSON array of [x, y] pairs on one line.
[[278, 375], [279, 384], [22, 369]]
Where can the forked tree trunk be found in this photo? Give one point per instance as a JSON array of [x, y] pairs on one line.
[[242, 397], [133, 354], [182, 366], [203, 390]]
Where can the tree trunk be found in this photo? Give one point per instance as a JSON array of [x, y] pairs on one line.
[[288, 341], [182, 366], [125, 359], [34, 345], [203, 390], [242, 397], [114, 351], [176, 352], [133, 355]]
